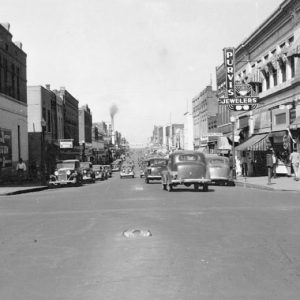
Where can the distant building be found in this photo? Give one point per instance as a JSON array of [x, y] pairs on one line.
[[13, 103], [188, 134], [45, 127], [205, 105]]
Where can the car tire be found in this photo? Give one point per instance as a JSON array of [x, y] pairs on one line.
[[196, 186], [205, 187], [147, 180], [164, 186]]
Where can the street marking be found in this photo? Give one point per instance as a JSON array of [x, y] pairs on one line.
[[139, 188]]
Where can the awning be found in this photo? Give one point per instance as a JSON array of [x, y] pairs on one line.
[[223, 143], [295, 124], [255, 143]]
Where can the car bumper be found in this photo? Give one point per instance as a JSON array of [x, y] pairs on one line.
[[62, 182], [87, 179], [154, 177], [126, 175], [182, 181]]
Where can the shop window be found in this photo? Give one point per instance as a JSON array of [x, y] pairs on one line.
[[280, 119]]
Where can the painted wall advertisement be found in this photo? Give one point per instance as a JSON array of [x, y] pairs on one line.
[[5, 148]]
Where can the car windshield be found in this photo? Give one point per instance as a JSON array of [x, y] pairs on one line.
[[96, 167], [158, 162], [68, 165]]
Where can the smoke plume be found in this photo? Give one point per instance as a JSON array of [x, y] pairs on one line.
[[113, 110]]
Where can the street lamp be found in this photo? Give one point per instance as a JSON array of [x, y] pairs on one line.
[[232, 120]]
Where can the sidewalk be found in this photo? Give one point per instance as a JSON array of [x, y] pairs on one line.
[[15, 190], [282, 183]]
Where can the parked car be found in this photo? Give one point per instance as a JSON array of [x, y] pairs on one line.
[[126, 171], [186, 168], [88, 174], [219, 169], [154, 169], [99, 172], [67, 172]]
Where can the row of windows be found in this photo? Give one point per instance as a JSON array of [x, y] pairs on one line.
[[9, 78]]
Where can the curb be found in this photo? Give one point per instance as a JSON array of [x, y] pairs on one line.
[[29, 190], [261, 187]]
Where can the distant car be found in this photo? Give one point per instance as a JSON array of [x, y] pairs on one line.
[[219, 169], [154, 168], [88, 174], [143, 166], [108, 170], [99, 172], [126, 171], [116, 165], [67, 172], [186, 168]]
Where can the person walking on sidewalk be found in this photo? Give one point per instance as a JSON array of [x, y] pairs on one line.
[[295, 160]]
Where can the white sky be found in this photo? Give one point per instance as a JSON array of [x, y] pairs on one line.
[[150, 57]]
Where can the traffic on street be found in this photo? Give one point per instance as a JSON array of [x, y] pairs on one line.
[[128, 239]]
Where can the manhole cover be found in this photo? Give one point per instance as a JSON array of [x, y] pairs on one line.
[[135, 233]]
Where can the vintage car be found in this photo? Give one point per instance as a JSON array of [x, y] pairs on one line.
[[143, 165], [116, 165], [186, 168], [107, 169], [155, 167], [88, 174], [99, 172], [219, 169], [126, 171], [67, 172]]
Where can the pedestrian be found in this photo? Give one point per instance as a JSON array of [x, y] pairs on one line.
[[295, 160], [274, 161], [244, 165], [21, 169]]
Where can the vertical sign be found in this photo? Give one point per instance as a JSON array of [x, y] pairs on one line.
[[229, 55], [5, 148]]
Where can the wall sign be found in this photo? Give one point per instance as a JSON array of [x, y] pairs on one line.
[[5, 148], [238, 96]]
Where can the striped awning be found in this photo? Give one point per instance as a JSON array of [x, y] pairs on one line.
[[255, 143]]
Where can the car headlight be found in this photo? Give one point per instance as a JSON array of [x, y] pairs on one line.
[[56, 173], [68, 172], [84, 171]]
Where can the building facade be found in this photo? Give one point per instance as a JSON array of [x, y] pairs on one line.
[[205, 105], [268, 60], [188, 135], [45, 124], [13, 103], [85, 124]]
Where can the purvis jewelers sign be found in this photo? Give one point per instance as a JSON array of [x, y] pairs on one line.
[[239, 96]]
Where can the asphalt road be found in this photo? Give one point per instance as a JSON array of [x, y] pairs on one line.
[[229, 243]]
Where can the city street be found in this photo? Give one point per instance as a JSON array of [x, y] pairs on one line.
[[228, 243]]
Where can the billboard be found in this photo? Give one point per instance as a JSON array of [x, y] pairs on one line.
[[5, 148]]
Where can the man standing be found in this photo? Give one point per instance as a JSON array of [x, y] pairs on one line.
[[295, 160], [21, 169]]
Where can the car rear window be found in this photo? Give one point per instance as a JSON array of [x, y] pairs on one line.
[[217, 161], [189, 157], [158, 162]]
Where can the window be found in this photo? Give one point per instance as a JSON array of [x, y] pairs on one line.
[[280, 118], [292, 61], [275, 77]]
